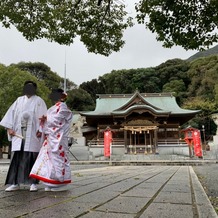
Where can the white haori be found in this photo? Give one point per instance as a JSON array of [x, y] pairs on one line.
[[25, 113]]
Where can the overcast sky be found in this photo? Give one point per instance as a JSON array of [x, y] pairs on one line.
[[140, 51]]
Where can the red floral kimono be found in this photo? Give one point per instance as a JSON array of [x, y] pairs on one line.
[[52, 165]]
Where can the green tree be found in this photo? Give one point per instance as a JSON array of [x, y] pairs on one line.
[[204, 78], [117, 81], [177, 87], [11, 83], [93, 87], [174, 69], [100, 27], [43, 73], [191, 24], [204, 117], [127, 81], [145, 80], [80, 100], [216, 93], [100, 24]]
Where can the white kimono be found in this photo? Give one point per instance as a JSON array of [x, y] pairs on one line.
[[52, 165], [25, 110]]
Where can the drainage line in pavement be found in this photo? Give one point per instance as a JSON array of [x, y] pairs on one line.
[[152, 199], [194, 205]]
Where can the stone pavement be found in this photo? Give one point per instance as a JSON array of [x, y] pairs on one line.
[[102, 190]]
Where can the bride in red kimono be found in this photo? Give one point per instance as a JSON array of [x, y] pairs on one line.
[[52, 166]]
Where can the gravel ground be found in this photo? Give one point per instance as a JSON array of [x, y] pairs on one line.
[[208, 176]]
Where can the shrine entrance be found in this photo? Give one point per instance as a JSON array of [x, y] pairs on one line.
[[140, 139]]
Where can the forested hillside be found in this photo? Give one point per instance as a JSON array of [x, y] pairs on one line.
[[194, 84], [211, 51], [185, 79]]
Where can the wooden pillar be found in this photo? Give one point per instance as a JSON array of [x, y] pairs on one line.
[[98, 134], [125, 140], [130, 136], [156, 140], [135, 141], [165, 129], [145, 142], [150, 133]]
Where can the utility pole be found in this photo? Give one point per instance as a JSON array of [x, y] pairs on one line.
[[65, 69]]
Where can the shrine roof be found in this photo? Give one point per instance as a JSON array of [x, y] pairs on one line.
[[160, 103]]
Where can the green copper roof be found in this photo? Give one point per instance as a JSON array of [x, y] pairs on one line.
[[157, 102]]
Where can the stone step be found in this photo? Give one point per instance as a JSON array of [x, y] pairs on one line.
[[141, 157]]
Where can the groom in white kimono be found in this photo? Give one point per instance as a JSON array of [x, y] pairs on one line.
[[22, 121]]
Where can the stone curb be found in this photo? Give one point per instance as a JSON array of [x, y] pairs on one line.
[[137, 162], [148, 162], [203, 203]]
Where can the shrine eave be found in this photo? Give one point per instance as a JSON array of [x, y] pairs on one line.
[[141, 109]]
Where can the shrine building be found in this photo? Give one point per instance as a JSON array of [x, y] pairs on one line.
[[140, 122]]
